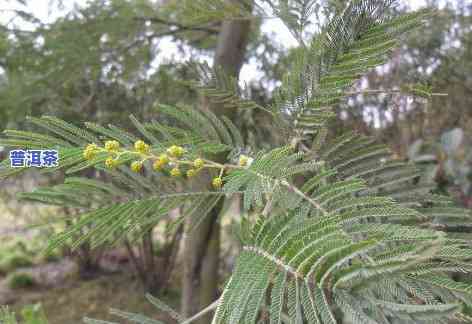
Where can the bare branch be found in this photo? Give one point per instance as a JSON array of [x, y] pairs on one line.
[[204, 311], [386, 91], [179, 27]]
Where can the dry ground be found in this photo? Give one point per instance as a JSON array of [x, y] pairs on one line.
[[70, 300]]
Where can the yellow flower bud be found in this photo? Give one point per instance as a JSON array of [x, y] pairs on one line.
[[90, 151], [243, 159], [91, 147], [137, 166], [112, 145], [191, 173], [176, 151], [175, 172], [111, 162], [88, 154], [217, 182], [141, 147], [164, 158], [158, 165], [198, 163]]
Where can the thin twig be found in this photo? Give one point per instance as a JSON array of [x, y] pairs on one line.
[[279, 262], [283, 182], [204, 311], [389, 91], [268, 206], [304, 196], [181, 27]]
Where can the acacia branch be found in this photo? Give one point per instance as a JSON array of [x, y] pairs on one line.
[[179, 26], [204, 311], [18, 30], [304, 196], [268, 206], [387, 91], [284, 183], [212, 307]]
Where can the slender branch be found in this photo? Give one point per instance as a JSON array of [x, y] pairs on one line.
[[285, 318], [17, 30], [180, 27], [204, 311], [212, 164], [283, 182], [388, 91], [268, 206], [304, 196], [275, 260]]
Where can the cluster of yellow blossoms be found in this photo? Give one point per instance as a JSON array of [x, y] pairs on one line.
[[90, 151], [172, 157]]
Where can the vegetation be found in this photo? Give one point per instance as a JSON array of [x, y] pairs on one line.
[[12, 261], [30, 314], [17, 280], [333, 229]]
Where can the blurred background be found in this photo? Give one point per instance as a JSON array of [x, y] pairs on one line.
[[101, 60]]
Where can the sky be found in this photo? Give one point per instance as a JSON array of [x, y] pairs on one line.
[[249, 72]]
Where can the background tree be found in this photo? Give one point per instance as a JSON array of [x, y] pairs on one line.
[[202, 247]]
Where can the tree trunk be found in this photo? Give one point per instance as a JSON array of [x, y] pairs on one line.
[[202, 246], [201, 263], [151, 283]]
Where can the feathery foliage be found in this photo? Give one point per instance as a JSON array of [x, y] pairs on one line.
[[121, 201]]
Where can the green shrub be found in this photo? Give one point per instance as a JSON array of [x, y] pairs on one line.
[[14, 261], [30, 314], [19, 252], [49, 257], [21, 245], [18, 280], [6, 316], [33, 314]]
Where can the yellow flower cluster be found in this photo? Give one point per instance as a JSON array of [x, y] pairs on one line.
[[217, 183], [90, 151], [141, 147], [112, 146], [161, 162], [137, 166], [110, 162], [175, 172], [172, 158], [243, 160], [191, 173], [198, 163], [176, 151]]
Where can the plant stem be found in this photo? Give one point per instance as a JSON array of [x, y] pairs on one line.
[[204, 311], [304, 196], [268, 206], [388, 91]]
